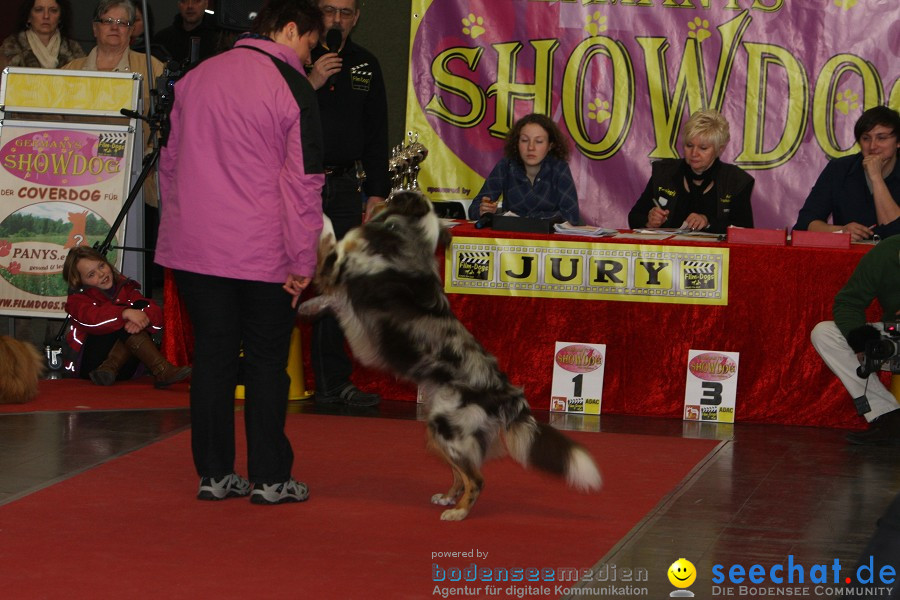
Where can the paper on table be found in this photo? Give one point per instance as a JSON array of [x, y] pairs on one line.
[[584, 230]]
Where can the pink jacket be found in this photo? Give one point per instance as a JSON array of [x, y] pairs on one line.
[[236, 201]]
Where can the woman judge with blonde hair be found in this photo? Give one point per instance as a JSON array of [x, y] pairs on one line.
[[699, 191]]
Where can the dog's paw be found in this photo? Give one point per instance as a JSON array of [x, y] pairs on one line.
[[313, 307], [454, 514], [443, 499]]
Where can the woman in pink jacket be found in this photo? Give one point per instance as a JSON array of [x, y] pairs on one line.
[[241, 211]]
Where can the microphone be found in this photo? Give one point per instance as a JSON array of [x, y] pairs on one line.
[[486, 220], [333, 40], [131, 114]]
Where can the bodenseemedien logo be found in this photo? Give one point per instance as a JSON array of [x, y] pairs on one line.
[[682, 574]]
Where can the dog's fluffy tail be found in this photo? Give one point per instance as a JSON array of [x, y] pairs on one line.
[[539, 445], [21, 367]]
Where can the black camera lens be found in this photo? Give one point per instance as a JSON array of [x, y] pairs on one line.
[[883, 349]]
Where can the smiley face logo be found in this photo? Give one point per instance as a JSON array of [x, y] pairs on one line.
[[682, 573]]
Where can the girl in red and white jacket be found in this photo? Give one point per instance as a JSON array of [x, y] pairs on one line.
[[110, 321]]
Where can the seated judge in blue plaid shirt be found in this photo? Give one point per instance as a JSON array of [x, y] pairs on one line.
[[533, 177]]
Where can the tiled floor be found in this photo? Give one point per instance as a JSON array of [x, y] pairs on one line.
[[766, 493]]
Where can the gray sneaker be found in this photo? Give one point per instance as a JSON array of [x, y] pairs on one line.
[[230, 486], [279, 493]]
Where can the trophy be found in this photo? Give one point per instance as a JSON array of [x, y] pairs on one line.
[[404, 164], [416, 153]]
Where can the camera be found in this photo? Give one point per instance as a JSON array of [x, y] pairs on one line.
[[882, 353]]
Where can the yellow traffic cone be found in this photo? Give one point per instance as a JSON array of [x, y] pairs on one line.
[[297, 391]]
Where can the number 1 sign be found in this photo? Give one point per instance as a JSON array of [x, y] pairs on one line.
[[711, 388], [577, 378]]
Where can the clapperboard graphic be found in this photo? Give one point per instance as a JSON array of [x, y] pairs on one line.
[[361, 77], [473, 265], [111, 144], [698, 275]]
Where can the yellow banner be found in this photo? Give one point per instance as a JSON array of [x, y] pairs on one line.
[[81, 92], [587, 271]]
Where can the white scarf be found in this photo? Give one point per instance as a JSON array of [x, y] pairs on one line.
[[47, 55]]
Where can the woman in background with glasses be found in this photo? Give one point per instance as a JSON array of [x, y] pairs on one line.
[[113, 21], [43, 38]]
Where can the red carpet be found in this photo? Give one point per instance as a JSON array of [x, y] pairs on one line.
[[131, 528], [81, 394]]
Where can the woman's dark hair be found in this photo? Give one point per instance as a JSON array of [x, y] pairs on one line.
[[65, 16], [877, 115], [275, 14], [559, 145]]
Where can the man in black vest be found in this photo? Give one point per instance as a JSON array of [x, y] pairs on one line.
[[353, 106]]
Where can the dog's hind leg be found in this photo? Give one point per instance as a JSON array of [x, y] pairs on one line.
[[467, 479], [472, 482], [457, 487]]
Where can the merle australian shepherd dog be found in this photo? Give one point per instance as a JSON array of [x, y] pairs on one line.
[[382, 282]]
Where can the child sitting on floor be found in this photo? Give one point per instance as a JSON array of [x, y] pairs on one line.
[[110, 320]]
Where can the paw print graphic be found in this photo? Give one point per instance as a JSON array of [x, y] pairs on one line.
[[845, 4], [598, 110], [699, 28], [473, 26], [846, 100], [595, 23]]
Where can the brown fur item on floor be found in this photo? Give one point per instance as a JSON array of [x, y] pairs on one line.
[[21, 367]]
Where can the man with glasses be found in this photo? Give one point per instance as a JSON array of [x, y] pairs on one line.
[[861, 192], [191, 21], [353, 105]]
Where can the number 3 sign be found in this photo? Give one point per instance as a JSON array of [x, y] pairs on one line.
[[577, 378], [711, 388]]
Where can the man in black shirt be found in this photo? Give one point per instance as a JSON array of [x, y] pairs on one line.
[[353, 106], [191, 21]]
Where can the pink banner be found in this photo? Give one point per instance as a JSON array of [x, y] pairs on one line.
[[622, 76]]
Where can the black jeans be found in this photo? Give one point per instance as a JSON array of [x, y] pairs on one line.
[[332, 367], [229, 315]]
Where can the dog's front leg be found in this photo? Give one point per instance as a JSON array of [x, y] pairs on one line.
[[315, 307]]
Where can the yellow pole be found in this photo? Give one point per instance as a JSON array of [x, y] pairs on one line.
[[295, 368]]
